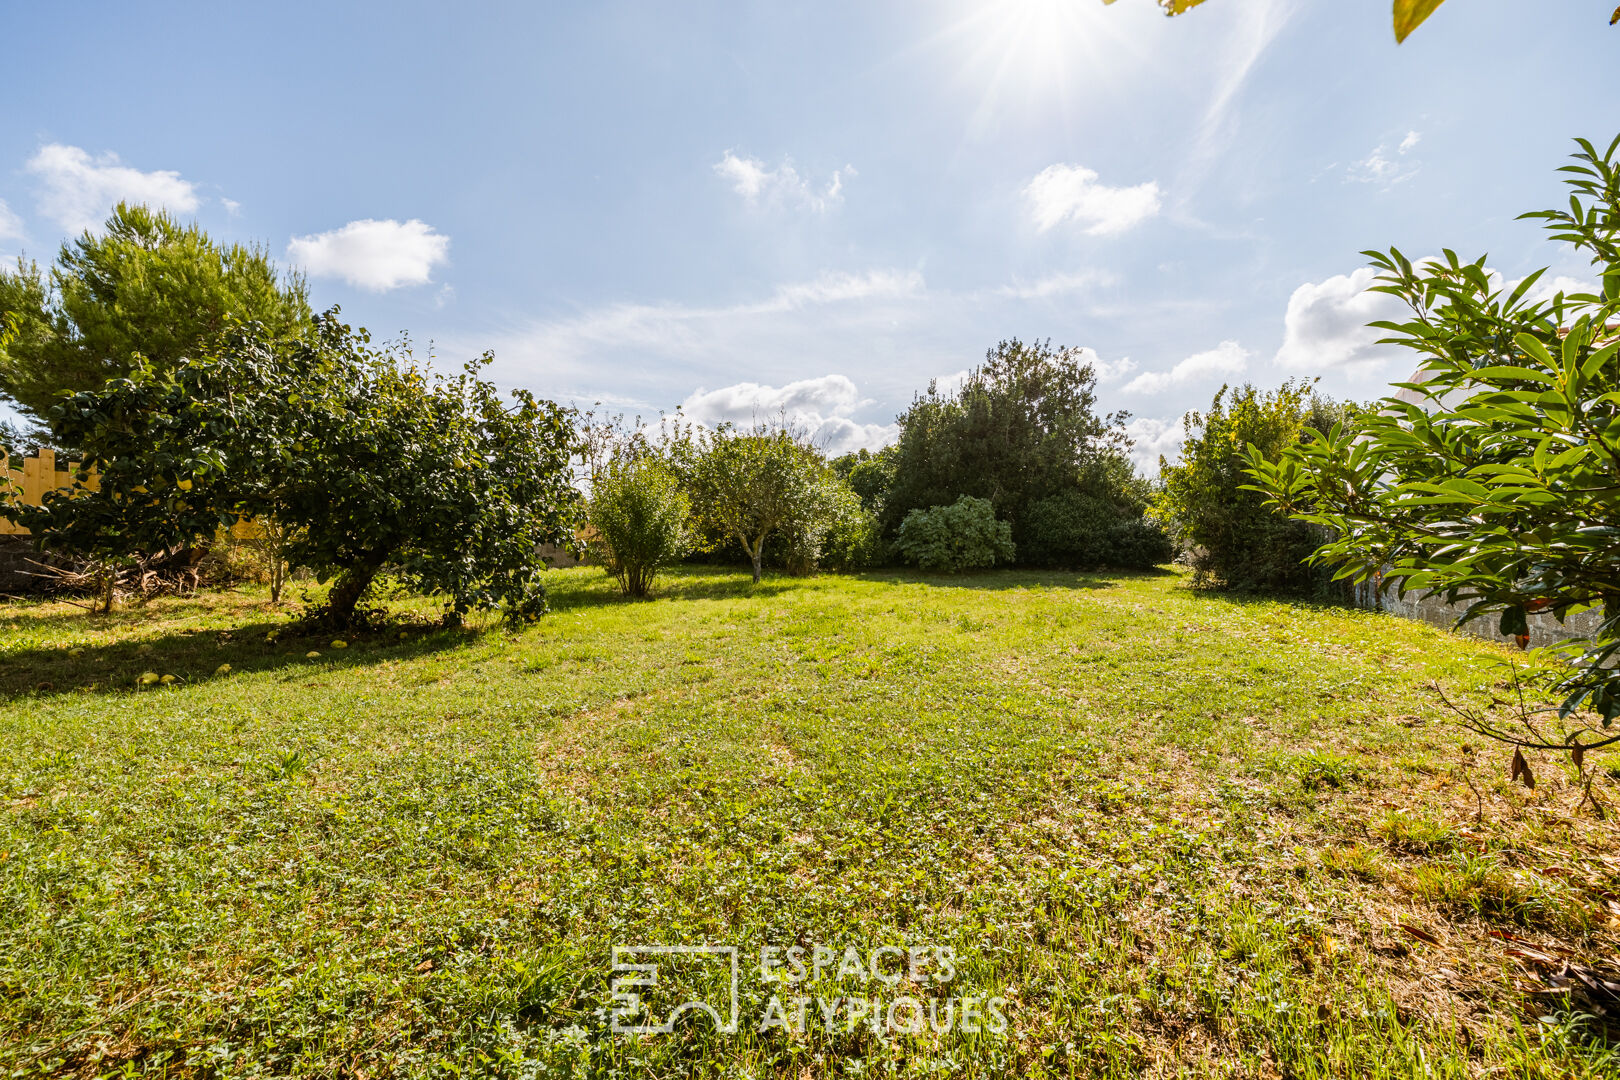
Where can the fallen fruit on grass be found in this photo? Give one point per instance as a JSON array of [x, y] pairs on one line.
[[223, 669], [340, 644], [168, 680], [312, 654], [148, 678], [75, 652], [144, 649]]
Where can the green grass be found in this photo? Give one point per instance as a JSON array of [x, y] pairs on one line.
[[1176, 834]]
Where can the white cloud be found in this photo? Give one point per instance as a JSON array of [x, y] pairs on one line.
[[781, 186], [1108, 370], [1227, 358], [841, 435], [836, 287], [373, 255], [1236, 57], [1055, 285], [885, 327], [77, 191], [948, 385], [1376, 168], [1325, 325], [232, 207], [1061, 193], [822, 407], [1151, 438], [11, 226], [694, 332], [1385, 166]]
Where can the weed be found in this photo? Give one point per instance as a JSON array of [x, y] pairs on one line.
[[1356, 861], [1319, 769], [1415, 834], [286, 765]]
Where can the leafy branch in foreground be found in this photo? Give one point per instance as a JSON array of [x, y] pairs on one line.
[[1524, 725], [1493, 477], [1408, 14]]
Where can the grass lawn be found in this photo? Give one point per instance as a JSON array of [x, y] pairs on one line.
[[1171, 833]]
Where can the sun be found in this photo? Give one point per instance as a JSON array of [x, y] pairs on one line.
[[1042, 35], [1022, 52]]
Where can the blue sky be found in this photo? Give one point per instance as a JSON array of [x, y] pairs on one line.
[[821, 206]]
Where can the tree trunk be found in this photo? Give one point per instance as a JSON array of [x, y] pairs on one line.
[[346, 593], [755, 549]]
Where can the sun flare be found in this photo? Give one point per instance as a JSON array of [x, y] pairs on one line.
[[1034, 49]]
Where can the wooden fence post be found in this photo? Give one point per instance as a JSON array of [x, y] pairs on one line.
[[30, 484], [10, 489]]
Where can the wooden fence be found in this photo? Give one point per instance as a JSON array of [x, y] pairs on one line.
[[28, 485], [40, 474]]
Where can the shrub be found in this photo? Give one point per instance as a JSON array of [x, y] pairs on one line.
[[840, 536], [828, 501], [1070, 529], [1232, 538], [1075, 529], [853, 539], [638, 512], [1139, 544], [962, 536], [869, 475], [253, 551]]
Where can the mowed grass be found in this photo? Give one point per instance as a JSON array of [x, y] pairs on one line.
[[1176, 834]]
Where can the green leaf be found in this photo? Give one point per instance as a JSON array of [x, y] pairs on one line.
[[1534, 349], [1508, 371]]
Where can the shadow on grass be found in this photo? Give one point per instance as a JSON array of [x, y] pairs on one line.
[[1000, 580], [190, 637], [587, 589], [1301, 601], [194, 656], [593, 587]]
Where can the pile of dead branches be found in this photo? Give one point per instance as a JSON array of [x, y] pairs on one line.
[[109, 582]]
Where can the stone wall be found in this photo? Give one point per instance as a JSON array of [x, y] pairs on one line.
[[19, 566], [1432, 609], [556, 557]]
